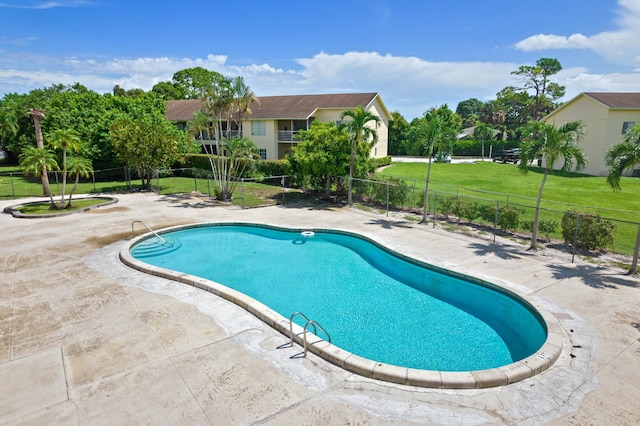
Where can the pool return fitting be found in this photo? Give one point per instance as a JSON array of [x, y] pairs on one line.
[[308, 323]]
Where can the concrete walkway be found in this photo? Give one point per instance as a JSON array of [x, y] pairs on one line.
[[85, 340]]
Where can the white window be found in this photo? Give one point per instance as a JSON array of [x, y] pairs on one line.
[[258, 128], [627, 125], [263, 153]]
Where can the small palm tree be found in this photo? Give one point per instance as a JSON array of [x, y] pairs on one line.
[[243, 97], [78, 167], [623, 156], [37, 161], [66, 140], [359, 132], [552, 144], [429, 137]]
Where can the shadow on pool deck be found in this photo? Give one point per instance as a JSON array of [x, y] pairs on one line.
[[84, 339]]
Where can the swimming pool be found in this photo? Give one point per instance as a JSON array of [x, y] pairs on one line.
[[375, 304]]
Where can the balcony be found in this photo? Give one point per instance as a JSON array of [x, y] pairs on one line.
[[287, 136]]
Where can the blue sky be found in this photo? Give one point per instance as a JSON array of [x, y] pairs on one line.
[[416, 54]]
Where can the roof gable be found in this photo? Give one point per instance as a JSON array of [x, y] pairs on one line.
[[615, 100]]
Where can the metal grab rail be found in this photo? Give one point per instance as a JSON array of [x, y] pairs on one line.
[[149, 228], [308, 323]]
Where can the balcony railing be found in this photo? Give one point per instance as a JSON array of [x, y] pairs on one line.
[[287, 135]]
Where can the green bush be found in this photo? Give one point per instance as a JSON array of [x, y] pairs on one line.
[[444, 204], [381, 162], [508, 217], [201, 161], [545, 226], [376, 190], [273, 167], [465, 209], [594, 232]]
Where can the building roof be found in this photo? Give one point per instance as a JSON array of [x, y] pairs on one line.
[[616, 100], [295, 107]]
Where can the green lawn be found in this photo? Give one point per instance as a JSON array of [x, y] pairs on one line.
[[499, 181]]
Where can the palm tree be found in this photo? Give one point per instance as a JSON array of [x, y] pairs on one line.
[[623, 156], [37, 115], [243, 97], [66, 140], [38, 161], [483, 132], [359, 132], [553, 144], [430, 137], [79, 167]]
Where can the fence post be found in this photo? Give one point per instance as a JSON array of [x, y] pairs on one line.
[[195, 179], [284, 201], [387, 199], [495, 221], [575, 238], [349, 187], [158, 180], [13, 189], [93, 178], [435, 207], [242, 186], [634, 264]]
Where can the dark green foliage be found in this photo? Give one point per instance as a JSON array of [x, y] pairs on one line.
[[464, 209], [594, 232], [546, 226], [444, 203], [273, 167], [201, 161], [377, 189], [508, 217], [380, 162]]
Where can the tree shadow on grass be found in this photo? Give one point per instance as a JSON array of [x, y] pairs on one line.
[[594, 276]]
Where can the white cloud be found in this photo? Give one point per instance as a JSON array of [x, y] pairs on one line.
[[408, 84], [46, 4], [619, 46]]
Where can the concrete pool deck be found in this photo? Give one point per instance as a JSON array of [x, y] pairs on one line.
[[86, 340]]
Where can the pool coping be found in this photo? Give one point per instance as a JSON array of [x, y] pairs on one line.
[[528, 367]]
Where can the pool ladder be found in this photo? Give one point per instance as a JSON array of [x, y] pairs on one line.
[[149, 228], [308, 323]]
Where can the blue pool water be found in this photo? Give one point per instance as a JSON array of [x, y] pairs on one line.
[[372, 302]]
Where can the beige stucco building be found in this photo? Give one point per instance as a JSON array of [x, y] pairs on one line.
[[606, 116], [275, 120]]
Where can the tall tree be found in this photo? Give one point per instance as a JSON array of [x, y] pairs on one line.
[[8, 121], [195, 82], [37, 115], [398, 129], [623, 156], [359, 132], [428, 132], [469, 111], [536, 78], [552, 144], [243, 97]]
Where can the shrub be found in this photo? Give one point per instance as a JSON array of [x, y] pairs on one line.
[[545, 226], [465, 209], [381, 162], [594, 232], [508, 217], [376, 189], [445, 204], [273, 167]]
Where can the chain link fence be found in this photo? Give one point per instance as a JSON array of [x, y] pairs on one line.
[[487, 214], [572, 231]]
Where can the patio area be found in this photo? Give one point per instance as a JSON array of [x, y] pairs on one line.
[[86, 340]]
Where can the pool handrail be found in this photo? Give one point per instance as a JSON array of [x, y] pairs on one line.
[[149, 228]]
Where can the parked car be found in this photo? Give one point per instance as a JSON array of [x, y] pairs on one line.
[[506, 155], [442, 157]]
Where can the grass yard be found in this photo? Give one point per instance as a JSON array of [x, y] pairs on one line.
[[498, 181]]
